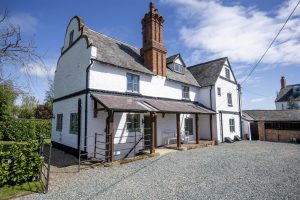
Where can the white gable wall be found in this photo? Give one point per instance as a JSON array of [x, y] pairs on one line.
[[70, 72]]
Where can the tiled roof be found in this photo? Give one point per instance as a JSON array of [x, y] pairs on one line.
[[287, 92], [274, 115], [123, 55], [146, 104], [207, 73]]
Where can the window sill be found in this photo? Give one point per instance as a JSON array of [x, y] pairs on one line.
[[230, 105]]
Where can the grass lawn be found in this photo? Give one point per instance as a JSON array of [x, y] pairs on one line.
[[7, 192]]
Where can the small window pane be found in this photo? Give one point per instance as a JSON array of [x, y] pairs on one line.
[[232, 125], [229, 99], [133, 122], [227, 73], [219, 91], [74, 123], [59, 120], [71, 37], [185, 92], [132, 83]]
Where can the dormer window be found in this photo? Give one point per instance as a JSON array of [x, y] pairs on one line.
[[227, 73], [71, 37], [178, 68]]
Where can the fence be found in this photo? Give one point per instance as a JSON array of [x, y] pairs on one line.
[[45, 169], [126, 143]]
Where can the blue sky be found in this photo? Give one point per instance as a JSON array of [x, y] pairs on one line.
[[199, 30]]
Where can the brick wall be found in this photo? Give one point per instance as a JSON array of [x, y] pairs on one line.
[[281, 135]]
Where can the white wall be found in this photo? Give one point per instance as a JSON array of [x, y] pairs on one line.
[[73, 26], [226, 129], [67, 107], [114, 79], [246, 129]]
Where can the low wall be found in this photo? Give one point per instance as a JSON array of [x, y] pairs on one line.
[[281, 135]]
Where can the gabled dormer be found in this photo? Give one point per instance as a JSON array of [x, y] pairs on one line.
[[176, 64]]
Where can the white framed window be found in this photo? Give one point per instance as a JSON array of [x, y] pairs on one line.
[[178, 68], [71, 38], [227, 73], [232, 125], [74, 123], [133, 122], [185, 92], [59, 122], [188, 125], [219, 91], [133, 83], [229, 99]]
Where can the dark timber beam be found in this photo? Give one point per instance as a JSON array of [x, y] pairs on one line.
[[210, 124], [110, 136], [152, 137], [178, 130], [197, 129]]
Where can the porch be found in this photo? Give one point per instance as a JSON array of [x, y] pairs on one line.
[[155, 123]]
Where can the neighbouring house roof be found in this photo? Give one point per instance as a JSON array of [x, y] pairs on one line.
[[127, 103], [246, 117], [287, 92], [207, 73], [274, 115], [121, 54]]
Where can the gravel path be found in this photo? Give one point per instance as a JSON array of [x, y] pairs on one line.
[[243, 170]]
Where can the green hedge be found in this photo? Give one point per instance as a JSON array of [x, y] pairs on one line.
[[21, 163], [24, 130]]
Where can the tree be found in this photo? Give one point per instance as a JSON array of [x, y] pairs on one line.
[[14, 51], [49, 96], [28, 107], [7, 97], [292, 104]]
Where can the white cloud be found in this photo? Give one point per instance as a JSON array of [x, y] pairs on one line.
[[239, 32], [38, 70], [256, 100], [25, 21]]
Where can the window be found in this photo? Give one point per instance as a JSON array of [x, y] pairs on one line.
[[133, 122], [219, 91], [231, 125], [133, 83], [229, 99], [74, 123], [188, 125], [227, 73], [185, 92], [59, 120], [71, 37], [178, 68]]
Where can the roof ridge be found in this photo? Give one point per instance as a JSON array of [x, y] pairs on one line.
[[197, 65], [113, 38]]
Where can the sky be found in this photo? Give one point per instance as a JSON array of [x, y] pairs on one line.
[[201, 30]]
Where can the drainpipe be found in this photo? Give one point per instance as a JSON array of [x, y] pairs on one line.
[[211, 134], [221, 124], [240, 109], [86, 104]]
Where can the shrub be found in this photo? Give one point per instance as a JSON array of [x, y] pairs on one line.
[[21, 163], [24, 130]]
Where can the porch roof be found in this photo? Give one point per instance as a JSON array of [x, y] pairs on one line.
[[126, 103]]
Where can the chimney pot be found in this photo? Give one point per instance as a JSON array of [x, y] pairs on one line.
[[283, 82]]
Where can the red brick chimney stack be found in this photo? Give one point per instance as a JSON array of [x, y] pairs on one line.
[[283, 82], [153, 51]]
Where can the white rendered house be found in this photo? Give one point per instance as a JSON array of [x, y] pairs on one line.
[[113, 100], [288, 97]]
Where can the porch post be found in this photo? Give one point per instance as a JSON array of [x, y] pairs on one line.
[[152, 148], [178, 130], [210, 124], [110, 135], [197, 129]]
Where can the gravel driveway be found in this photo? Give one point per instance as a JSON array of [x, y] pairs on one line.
[[243, 170]]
